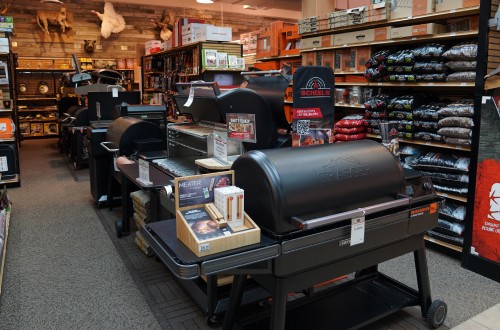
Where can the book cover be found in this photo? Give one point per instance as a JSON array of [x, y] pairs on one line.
[[210, 58], [222, 60]]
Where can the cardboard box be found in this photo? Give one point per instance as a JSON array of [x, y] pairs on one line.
[[327, 41], [470, 23], [328, 58], [354, 37], [309, 59], [348, 60], [445, 5], [358, 15], [417, 30], [290, 41], [379, 12], [382, 34], [267, 65], [363, 54], [167, 44], [230, 201], [337, 19], [268, 41], [245, 42], [407, 8], [152, 46], [214, 33], [309, 43], [358, 3]]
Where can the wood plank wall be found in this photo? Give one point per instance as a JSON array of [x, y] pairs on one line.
[[30, 42]]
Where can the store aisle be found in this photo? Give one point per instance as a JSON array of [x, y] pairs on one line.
[[62, 270]]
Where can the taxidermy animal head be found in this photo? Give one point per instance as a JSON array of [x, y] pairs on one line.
[[111, 22], [56, 18], [164, 25], [89, 46], [4, 9]]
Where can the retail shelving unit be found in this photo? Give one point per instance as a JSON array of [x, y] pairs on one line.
[[9, 158], [471, 90], [160, 71], [37, 91]]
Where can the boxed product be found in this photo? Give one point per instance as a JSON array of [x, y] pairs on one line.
[[50, 129], [358, 15], [470, 23], [443, 5], [189, 32], [363, 54], [230, 201], [309, 43], [152, 46], [214, 33], [327, 41], [337, 19], [380, 11], [354, 37], [245, 42], [407, 8], [166, 44], [382, 33], [4, 45], [417, 30]]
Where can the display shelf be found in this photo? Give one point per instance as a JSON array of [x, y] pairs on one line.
[[222, 69], [444, 244], [282, 57], [48, 136], [401, 41], [36, 110], [411, 20], [454, 197], [12, 139], [154, 90], [36, 98], [43, 70], [354, 106], [426, 143], [4, 249], [153, 72], [457, 84], [15, 179], [38, 120]]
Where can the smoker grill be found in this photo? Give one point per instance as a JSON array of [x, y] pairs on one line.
[[305, 200]]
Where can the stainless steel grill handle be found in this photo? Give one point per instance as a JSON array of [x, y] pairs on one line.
[[108, 149], [329, 219]]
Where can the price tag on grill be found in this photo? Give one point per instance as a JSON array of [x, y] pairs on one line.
[[357, 230]]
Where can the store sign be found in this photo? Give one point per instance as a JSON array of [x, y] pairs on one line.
[[199, 189], [220, 147], [241, 126], [144, 172], [486, 225]]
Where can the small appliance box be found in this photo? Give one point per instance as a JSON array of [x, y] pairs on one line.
[[214, 33], [152, 46], [230, 202], [444, 5], [189, 32]]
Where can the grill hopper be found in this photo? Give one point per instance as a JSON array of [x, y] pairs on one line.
[[315, 181]]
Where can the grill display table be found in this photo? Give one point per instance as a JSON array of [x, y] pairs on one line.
[[360, 301]]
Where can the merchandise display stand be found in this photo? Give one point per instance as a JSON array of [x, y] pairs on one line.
[[259, 262]]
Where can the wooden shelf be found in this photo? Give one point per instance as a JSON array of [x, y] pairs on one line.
[[454, 197], [40, 137], [277, 57], [36, 98], [34, 120], [14, 180], [412, 20], [153, 90], [443, 244], [426, 143], [153, 72], [44, 70], [223, 69], [458, 84], [401, 41]]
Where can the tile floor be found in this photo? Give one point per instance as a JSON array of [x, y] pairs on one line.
[[487, 320]]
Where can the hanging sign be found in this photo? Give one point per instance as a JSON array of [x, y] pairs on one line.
[[241, 126]]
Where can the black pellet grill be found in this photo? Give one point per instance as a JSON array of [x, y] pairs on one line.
[[304, 200]]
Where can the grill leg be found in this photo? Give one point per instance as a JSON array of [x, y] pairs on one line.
[[278, 308], [234, 300], [424, 287]]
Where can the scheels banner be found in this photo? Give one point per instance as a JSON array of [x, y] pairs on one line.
[[313, 111]]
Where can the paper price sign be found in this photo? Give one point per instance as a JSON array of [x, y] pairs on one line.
[[357, 231]]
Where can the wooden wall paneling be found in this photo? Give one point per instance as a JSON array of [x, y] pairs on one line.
[[85, 26]]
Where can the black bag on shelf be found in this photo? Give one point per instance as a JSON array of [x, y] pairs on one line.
[[9, 169]]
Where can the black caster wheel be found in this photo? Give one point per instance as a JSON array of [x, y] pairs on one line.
[[437, 313], [119, 228], [213, 321]]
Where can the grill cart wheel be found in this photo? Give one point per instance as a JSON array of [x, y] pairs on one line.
[[437, 313], [119, 228]]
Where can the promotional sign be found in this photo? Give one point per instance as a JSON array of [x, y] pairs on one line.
[[220, 146], [241, 126], [486, 225], [313, 110], [199, 189]]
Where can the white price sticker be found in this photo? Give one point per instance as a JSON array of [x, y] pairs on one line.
[[357, 231], [4, 165], [144, 172], [114, 92]]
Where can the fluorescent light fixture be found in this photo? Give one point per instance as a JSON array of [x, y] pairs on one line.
[[52, 1], [205, 1]]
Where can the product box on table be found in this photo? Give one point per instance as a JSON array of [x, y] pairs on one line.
[[201, 228]]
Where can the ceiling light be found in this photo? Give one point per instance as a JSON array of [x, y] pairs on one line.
[[205, 1], [52, 1], [249, 7]]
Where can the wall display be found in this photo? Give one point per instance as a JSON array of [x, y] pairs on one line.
[[200, 189], [111, 21], [59, 19]]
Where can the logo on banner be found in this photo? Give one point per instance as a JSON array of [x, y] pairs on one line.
[[315, 88], [494, 202]]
